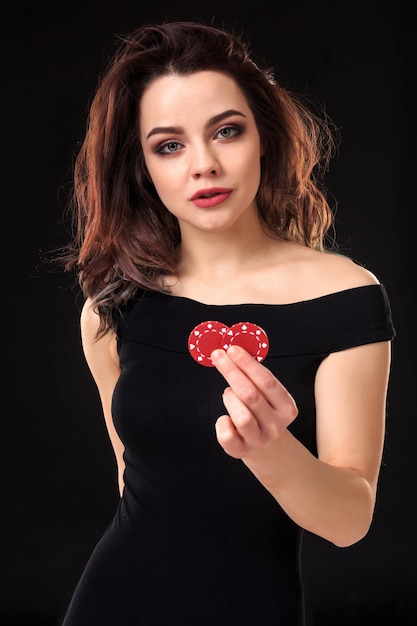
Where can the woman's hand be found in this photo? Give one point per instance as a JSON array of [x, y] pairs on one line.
[[331, 495], [259, 407]]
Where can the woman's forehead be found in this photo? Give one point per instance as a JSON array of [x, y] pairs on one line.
[[204, 94]]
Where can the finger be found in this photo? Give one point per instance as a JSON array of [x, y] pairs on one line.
[[256, 420], [254, 384], [243, 419], [229, 438]]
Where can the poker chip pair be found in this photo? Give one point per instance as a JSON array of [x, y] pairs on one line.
[[211, 335]]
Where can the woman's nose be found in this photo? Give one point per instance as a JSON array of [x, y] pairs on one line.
[[204, 163]]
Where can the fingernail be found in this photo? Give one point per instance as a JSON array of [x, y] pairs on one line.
[[233, 350], [217, 355]]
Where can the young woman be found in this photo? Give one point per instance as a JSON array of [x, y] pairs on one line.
[[242, 367]]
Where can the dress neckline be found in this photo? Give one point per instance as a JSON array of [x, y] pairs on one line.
[[319, 299]]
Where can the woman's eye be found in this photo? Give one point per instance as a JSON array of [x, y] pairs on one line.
[[228, 132], [169, 148]]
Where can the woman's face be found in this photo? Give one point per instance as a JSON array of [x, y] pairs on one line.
[[202, 150]]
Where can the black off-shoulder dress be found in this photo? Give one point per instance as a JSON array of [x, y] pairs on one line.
[[196, 539]]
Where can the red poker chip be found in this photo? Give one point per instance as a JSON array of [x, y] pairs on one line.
[[210, 335], [251, 337], [205, 338]]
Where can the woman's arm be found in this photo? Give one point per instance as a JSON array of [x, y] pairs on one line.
[[102, 359], [333, 495]]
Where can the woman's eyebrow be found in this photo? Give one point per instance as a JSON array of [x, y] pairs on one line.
[[158, 130], [221, 116], [177, 130]]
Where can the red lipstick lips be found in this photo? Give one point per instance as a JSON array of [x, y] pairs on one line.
[[206, 198]]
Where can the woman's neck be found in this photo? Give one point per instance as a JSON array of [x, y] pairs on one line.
[[211, 259], [223, 268]]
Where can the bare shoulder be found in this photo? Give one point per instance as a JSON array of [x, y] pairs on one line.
[[305, 273], [96, 349], [344, 271], [89, 320]]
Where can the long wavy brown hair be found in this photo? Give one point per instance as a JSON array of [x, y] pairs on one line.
[[124, 238]]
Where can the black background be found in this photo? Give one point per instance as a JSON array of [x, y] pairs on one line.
[[58, 474]]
